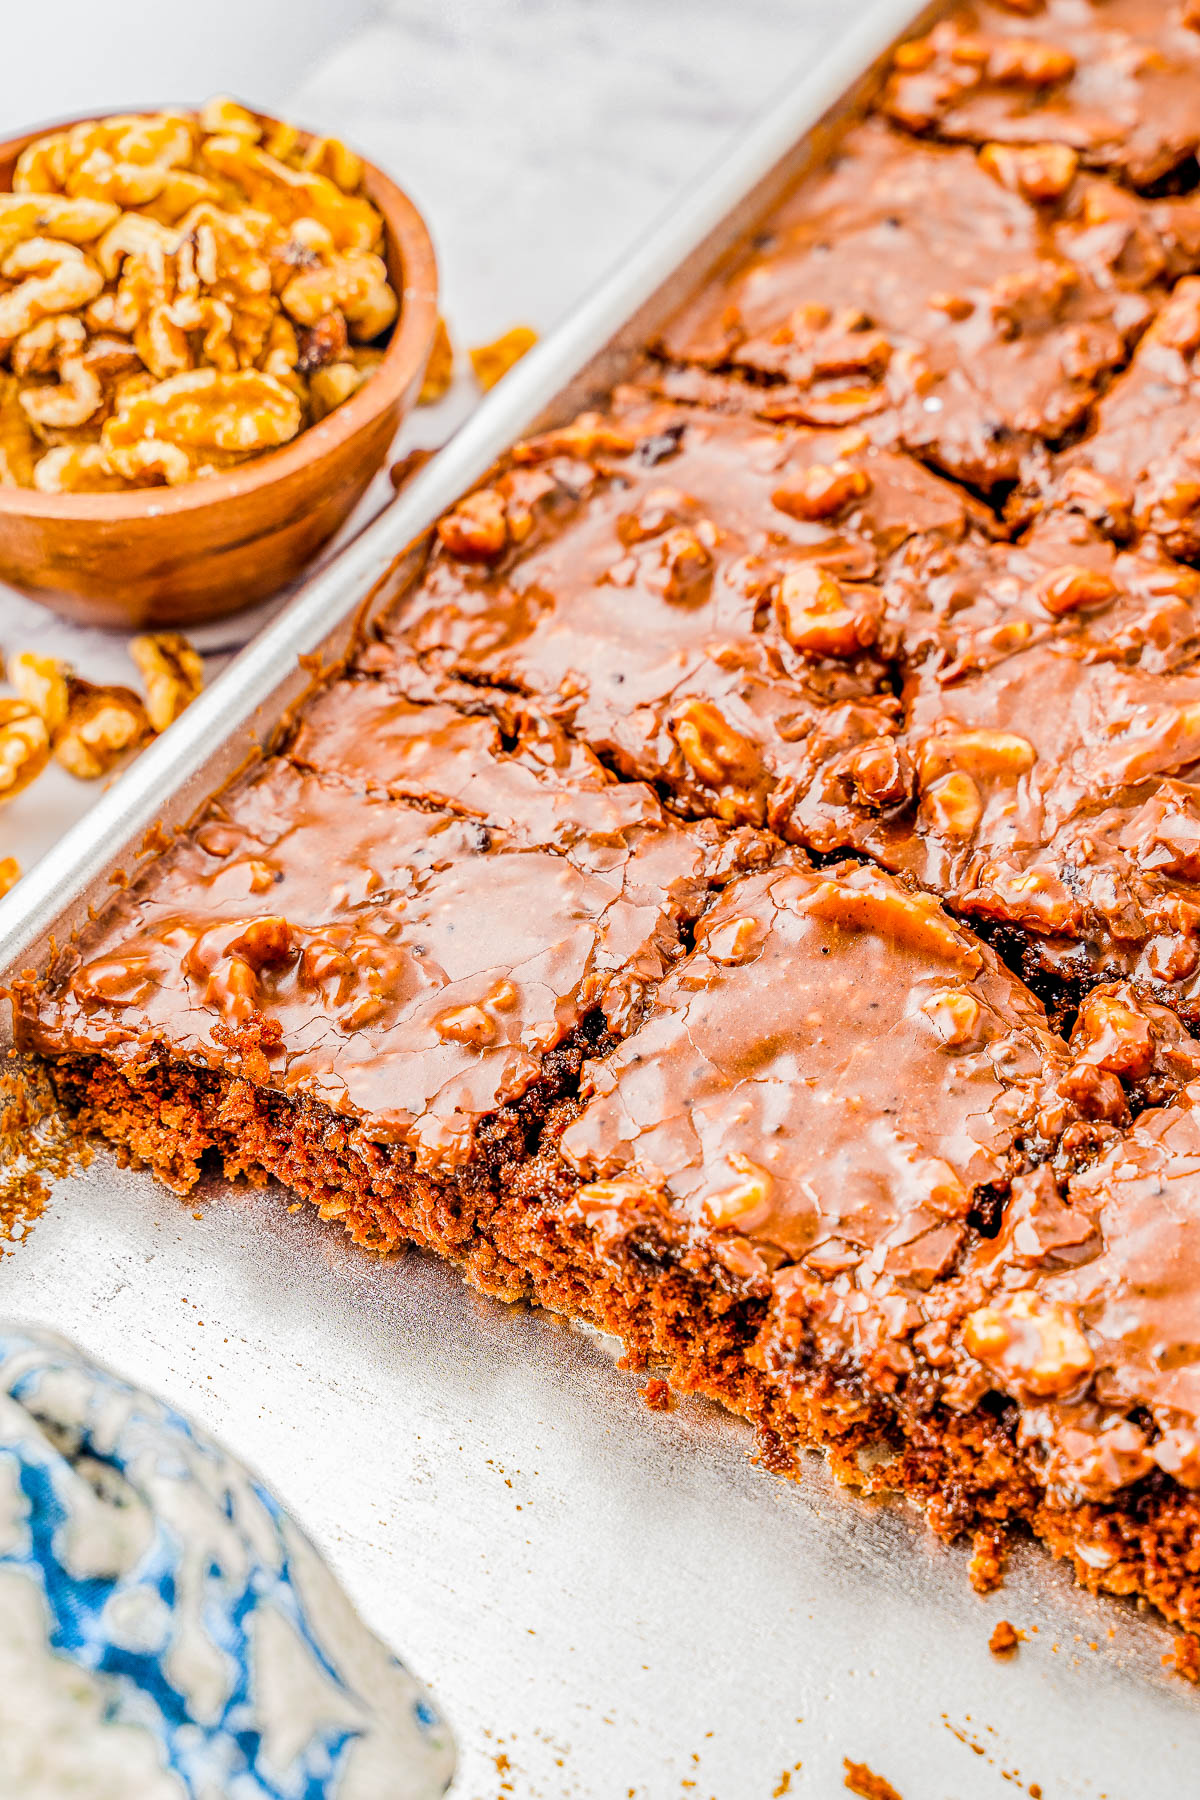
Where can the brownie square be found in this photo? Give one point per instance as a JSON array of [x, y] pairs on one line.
[[1137, 469], [694, 595], [834, 1079], [1109, 1251], [1114, 80], [1056, 793], [408, 967]]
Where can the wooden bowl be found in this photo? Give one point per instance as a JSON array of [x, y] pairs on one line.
[[178, 555]]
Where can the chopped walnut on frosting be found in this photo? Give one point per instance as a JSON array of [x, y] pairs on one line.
[[179, 293]]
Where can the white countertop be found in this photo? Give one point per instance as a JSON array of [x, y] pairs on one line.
[[541, 138]]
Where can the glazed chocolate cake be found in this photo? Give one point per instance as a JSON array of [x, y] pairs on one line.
[[746, 893]]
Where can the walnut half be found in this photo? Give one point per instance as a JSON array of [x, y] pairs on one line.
[[173, 674]]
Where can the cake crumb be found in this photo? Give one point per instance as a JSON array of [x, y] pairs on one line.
[[1184, 1657], [37, 1148], [864, 1781], [989, 1558], [657, 1395], [1004, 1638]]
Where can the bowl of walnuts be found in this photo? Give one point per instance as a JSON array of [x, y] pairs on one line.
[[211, 324]]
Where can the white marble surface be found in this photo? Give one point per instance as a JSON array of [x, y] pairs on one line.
[[540, 137]]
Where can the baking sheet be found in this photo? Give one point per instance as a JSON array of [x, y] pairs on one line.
[[608, 1601]]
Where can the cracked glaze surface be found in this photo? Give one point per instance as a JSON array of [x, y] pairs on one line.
[[913, 290]]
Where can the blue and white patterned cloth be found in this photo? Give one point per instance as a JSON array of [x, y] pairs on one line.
[[166, 1631]]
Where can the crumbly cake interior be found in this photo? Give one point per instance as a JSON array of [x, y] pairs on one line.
[[747, 895]]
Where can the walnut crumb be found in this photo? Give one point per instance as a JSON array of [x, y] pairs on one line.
[[989, 1556], [493, 361], [657, 1395], [864, 1781], [439, 370]]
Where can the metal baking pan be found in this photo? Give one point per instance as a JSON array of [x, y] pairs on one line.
[[609, 1602]]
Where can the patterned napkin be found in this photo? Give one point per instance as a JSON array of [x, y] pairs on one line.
[[166, 1630]]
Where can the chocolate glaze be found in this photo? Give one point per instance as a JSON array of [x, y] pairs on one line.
[[646, 607], [412, 967], [1114, 79], [912, 290], [545, 789], [823, 1097], [977, 602]]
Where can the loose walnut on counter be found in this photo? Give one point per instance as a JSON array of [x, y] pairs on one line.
[[439, 370], [178, 294], [88, 729], [493, 361], [24, 746], [172, 672], [102, 723]]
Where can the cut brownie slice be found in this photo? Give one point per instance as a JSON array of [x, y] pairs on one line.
[[415, 969], [1138, 469], [1083, 1312], [914, 288], [544, 786], [838, 1079], [1114, 80], [694, 595], [838, 1100]]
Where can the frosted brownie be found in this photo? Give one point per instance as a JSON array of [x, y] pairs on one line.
[[1059, 795], [1113, 80], [1138, 468], [1098, 1275], [976, 603], [426, 968], [697, 596], [781, 1169], [515, 950], [967, 307], [838, 1076]]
